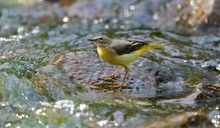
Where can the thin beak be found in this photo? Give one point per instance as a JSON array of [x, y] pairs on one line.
[[91, 39]]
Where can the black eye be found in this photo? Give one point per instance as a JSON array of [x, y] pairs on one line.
[[101, 38]]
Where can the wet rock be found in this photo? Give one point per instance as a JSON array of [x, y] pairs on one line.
[[10, 113], [184, 14], [1, 97], [18, 91], [118, 117], [175, 15], [210, 93], [214, 116], [179, 120], [53, 83], [146, 78], [53, 0], [189, 100], [170, 15], [89, 71], [203, 94]]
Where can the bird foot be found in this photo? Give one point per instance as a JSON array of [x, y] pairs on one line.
[[120, 86], [113, 76]]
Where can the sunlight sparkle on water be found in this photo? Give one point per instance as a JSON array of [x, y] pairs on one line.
[[82, 107], [65, 19], [102, 122], [132, 7], [8, 125]]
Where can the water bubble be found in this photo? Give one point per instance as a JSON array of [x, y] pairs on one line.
[[218, 67], [106, 26], [36, 30], [132, 7], [82, 107], [100, 20], [127, 13], [122, 26], [8, 125], [179, 6], [102, 122], [114, 21], [78, 114], [65, 26], [40, 122], [20, 29], [95, 21], [3, 57], [155, 17], [177, 19], [65, 19], [38, 111]]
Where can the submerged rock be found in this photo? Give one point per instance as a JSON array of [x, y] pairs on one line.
[[178, 120], [18, 91], [53, 83]]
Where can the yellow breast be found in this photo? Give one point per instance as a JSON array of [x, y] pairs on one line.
[[111, 57], [107, 55]]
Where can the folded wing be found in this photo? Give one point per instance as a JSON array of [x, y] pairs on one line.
[[128, 46]]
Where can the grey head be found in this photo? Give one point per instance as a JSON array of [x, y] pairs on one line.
[[101, 40]]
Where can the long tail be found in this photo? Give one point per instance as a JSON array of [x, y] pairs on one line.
[[151, 46]]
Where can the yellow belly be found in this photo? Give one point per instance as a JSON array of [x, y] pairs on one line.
[[112, 58]]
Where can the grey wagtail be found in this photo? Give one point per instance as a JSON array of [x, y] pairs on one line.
[[121, 52]]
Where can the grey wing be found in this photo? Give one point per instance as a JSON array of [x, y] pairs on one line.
[[126, 47]]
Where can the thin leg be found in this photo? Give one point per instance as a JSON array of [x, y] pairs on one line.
[[113, 74], [123, 80]]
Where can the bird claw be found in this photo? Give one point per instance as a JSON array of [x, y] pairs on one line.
[[106, 86], [120, 86], [113, 76]]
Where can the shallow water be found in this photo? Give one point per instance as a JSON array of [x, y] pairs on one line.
[[51, 76]]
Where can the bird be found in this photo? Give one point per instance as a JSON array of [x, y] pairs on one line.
[[121, 52]]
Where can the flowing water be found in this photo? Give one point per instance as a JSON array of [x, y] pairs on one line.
[[51, 76]]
